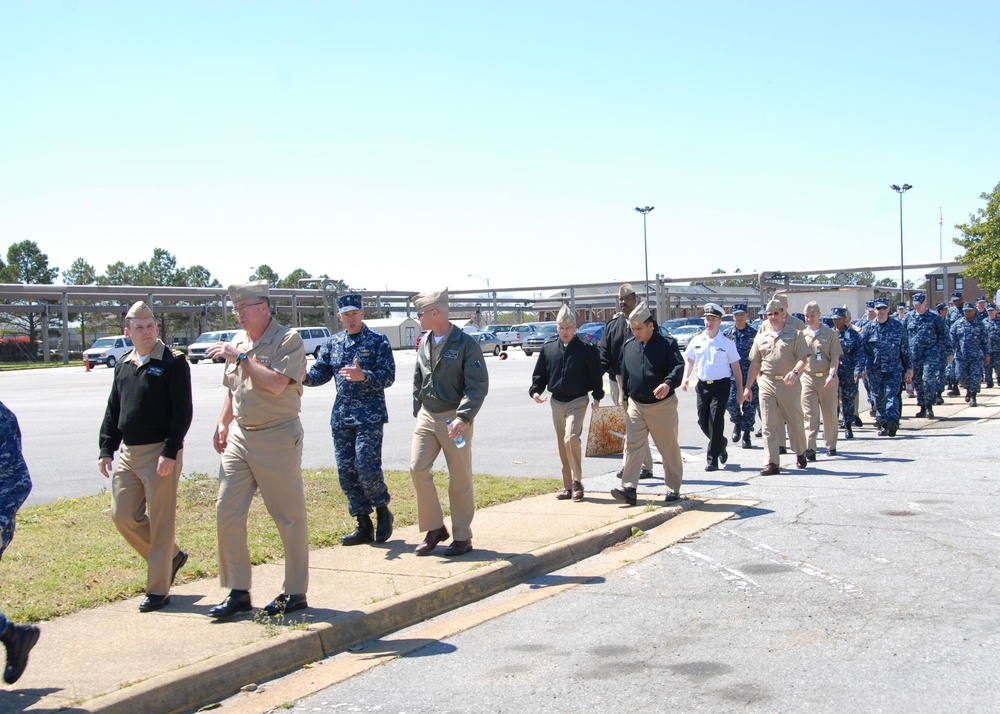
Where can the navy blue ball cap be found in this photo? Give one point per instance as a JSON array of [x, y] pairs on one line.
[[880, 302], [870, 304], [940, 306], [968, 306], [838, 312], [956, 295], [740, 307], [919, 298], [346, 303]]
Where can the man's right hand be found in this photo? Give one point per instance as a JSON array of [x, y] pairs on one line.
[[220, 438], [104, 464]]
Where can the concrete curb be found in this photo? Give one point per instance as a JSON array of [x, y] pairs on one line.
[[223, 675]]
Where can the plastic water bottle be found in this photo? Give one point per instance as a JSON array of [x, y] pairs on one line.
[[910, 391], [459, 440]]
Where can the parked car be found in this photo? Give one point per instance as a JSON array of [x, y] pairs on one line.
[[197, 349], [591, 335], [514, 335], [683, 333], [488, 342], [108, 350], [313, 338], [543, 333], [681, 321]]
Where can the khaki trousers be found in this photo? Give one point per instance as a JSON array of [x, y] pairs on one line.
[[144, 510], [568, 419], [781, 405], [269, 460], [430, 437], [647, 455], [660, 422], [817, 401]]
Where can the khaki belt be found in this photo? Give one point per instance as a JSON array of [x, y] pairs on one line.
[[262, 427]]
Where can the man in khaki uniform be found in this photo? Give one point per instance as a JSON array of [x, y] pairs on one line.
[[820, 386], [260, 438], [450, 383], [778, 356], [148, 414]]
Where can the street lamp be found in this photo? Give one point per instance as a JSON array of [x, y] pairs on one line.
[[645, 246], [487, 281], [901, 190]]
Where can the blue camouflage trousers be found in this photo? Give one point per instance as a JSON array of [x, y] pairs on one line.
[[885, 390], [993, 368], [926, 376], [359, 467], [951, 372], [746, 415], [969, 373], [14, 490], [848, 395]]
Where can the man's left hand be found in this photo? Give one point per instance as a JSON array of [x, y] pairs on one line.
[[353, 372]]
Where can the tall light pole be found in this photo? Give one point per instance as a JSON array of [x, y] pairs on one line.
[[901, 190], [645, 245]]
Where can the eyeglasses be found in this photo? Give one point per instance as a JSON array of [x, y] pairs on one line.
[[424, 312], [771, 314], [241, 310], [882, 307]]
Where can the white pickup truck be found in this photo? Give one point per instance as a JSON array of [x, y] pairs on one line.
[[514, 336]]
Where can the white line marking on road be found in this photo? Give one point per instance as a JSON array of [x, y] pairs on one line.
[[738, 579]]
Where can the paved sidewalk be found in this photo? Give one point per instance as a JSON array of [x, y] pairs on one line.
[[116, 659]]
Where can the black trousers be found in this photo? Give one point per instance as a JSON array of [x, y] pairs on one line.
[[712, 401]]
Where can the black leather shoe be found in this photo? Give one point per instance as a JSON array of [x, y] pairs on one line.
[[620, 474], [672, 498], [832, 451], [800, 461], [758, 433], [811, 454], [939, 401], [178, 563], [746, 440], [930, 412], [284, 604], [883, 431], [18, 639], [921, 413], [458, 547], [237, 601], [364, 533], [782, 450], [857, 421], [431, 540], [871, 412], [646, 474], [848, 432], [385, 520], [770, 470], [891, 427], [736, 433], [724, 456], [152, 603], [972, 401], [626, 495], [711, 466]]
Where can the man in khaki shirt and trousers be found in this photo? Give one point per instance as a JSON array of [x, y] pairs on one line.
[[820, 386], [450, 383], [260, 438], [778, 356]]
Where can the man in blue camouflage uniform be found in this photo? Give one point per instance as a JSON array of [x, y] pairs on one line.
[[992, 325], [360, 362], [981, 313], [869, 316], [15, 485], [968, 336], [755, 324], [927, 338], [848, 369], [886, 360], [742, 417], [954, 315], [942, 310]]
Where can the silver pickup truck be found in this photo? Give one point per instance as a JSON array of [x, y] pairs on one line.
[[514, 335]]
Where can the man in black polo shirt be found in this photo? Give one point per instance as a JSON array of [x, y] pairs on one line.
[[570, 368], [652, 369], [149, 410]]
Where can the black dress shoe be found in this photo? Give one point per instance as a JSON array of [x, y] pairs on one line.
[[883, 431], [758, 433], [857, 421], [811, 454], [626, 495], [431, 540], [178, 563], [711, 466], [832, 451], [724, 456], [153, 602], [770, 470], [620, 474], [848, 432], [18, 639], [672, 498], [237, 601], [891, 427], [458, 547], [782, 450], [800, 461], [736, 433], [646, 474], [284, 604]]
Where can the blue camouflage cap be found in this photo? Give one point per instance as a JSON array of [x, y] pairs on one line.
[[346, 303], [870, 304], [940, 306], [957, 295], [900, 305], [838, 312], [880, 302], [739, 307], [763, 307], [968, 306], [980, 299], [990, 306], [919, 298]]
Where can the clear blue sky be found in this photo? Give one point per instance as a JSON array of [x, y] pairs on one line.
[[409, 144]]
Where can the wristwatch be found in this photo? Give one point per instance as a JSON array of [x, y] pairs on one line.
[[240, 357], [794, 371]]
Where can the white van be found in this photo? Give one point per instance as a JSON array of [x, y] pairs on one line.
[[198, 348], [313, 338], [108, 350]]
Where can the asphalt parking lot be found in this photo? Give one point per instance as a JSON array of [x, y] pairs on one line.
[[60, 412]]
